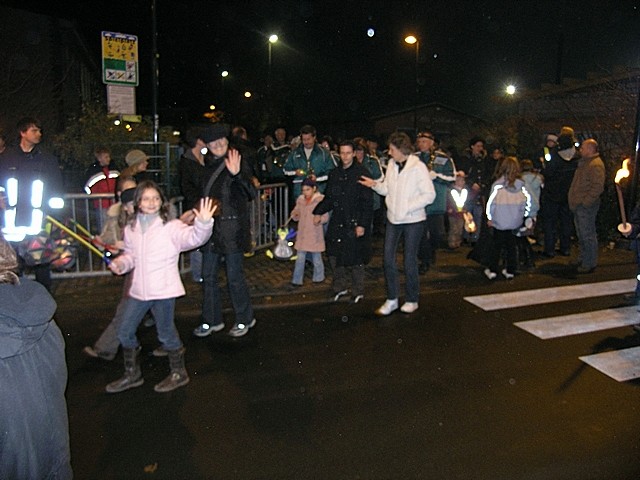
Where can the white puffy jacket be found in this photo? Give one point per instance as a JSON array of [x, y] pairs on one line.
[[407, 192]]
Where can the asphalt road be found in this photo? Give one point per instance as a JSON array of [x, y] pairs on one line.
[[329, 391]]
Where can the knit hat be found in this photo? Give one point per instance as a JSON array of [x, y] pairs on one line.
[[213, 133], [135, 156], [309, 182], [567, 131]]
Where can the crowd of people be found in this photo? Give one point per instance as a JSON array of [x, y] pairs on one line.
[[414, 193]]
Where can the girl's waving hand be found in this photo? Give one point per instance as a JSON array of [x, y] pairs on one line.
[[207, 208]]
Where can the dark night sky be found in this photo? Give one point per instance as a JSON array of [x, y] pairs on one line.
[[325, 66]]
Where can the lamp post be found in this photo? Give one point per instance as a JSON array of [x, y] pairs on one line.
[[413, 40], [273, 38], [224, 74]]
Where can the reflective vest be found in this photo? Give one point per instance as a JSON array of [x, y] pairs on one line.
[[25, 204]]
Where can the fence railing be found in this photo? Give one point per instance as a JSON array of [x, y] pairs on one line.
[[268, 212]]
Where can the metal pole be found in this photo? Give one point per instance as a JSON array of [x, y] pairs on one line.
[[633, 191], [415, 95], [155, 67]]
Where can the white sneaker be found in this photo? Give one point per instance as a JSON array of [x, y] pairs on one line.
[[204, 329], [489, 274], [387, 307], [241, 329], [409, 307], [506, 274]]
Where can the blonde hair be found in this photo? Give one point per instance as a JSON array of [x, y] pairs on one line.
[[510, 170]]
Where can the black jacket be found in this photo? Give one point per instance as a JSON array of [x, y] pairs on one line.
[[231, 229], [191, 175], [351, 206]]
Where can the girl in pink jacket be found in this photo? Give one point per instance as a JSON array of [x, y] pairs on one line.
[[310, 236], [152, 246]]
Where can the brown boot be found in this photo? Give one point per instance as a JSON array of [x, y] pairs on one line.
[[178, 376], [132, 373]]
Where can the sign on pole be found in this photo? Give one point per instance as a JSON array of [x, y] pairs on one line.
[[119, 59], [121, 99]]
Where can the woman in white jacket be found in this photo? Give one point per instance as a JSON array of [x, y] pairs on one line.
[[408, 189]]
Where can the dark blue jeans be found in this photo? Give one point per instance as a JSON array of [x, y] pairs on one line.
[[236, 283], [585, 221], [412, 233], [557, 221], [162, 311]]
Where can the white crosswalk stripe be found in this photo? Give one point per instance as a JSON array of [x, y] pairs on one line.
[[562, 326], [621, 365], [525, 298]]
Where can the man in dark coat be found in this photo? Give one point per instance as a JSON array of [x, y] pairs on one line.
[[348, 238], [231, 236], [558, 175]]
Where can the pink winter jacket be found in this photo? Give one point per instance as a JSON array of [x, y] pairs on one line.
[[310, 237], [153, 256]]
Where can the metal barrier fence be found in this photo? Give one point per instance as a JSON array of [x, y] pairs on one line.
[[268, 212]]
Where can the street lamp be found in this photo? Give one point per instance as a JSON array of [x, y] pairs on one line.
[[511, 89], [273, 38], [224, 74], [413, 40]]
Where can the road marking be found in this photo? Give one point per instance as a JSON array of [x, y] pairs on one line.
[[575, 324], [524, 298], [621, 365]]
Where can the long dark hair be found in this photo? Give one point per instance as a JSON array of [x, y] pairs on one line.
[[137, 195]]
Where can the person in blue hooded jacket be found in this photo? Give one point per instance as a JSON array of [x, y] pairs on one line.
[[34, 427]]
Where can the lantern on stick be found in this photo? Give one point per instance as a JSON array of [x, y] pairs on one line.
[[624, 227]]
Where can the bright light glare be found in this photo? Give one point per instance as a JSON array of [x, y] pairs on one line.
[[410, 39], [212, 107], [116, 122], [247, 94], [511, 89], [370, 32], [273, 38], [224, 73]]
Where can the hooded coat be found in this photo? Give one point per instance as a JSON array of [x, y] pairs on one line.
[[34, 428], [310, 237]]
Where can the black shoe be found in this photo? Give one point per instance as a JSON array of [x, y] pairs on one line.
[[356, 299], [582, 269], [547, 255], [336, 296]]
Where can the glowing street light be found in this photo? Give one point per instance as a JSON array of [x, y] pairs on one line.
[[511, 89], [224, 74], [272, 39], [247, 94], [413, 40]]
